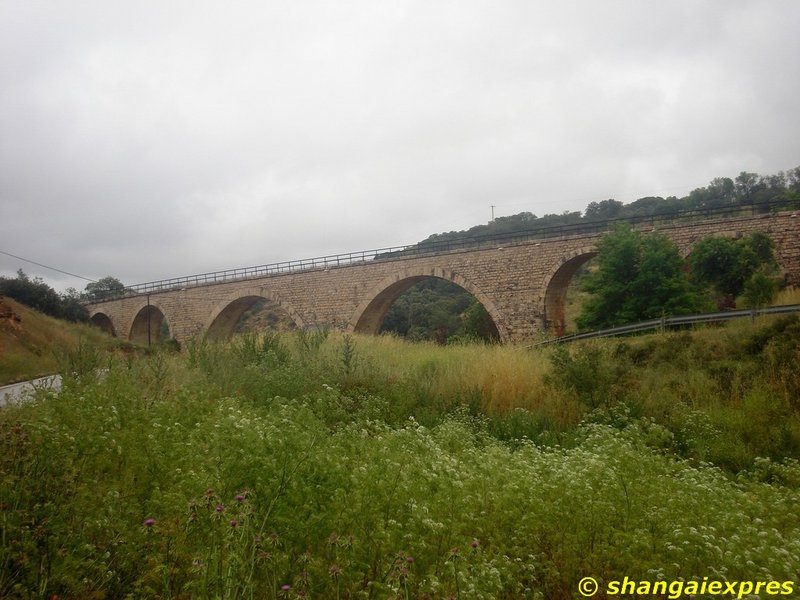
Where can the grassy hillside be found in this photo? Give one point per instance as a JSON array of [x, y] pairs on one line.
[[33, 344]]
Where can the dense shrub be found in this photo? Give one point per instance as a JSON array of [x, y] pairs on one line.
[[36, 294]]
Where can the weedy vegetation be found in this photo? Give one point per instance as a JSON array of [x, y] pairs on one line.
[[33, 344], [318, 465]]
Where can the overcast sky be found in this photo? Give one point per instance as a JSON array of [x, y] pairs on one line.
[[152, 139]]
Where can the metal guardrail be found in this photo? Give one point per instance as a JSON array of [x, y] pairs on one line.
[[666, 322], [434, 247], [307, 264]]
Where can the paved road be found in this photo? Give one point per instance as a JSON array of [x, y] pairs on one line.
[[17, 392]]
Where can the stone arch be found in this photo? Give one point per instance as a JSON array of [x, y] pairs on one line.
[[103, 321], [555, 285], [147, 324], [369, 314], [227, 313]]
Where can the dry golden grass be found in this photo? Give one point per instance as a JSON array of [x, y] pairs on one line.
[[501, 377], [507, 377], [30, 341], [790, 295]]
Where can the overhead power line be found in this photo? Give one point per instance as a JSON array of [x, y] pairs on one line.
[[38, 264]]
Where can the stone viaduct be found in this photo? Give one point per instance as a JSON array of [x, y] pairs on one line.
[[521, 284]]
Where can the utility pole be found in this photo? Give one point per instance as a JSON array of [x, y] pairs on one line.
[[492, 205], [148, 320]]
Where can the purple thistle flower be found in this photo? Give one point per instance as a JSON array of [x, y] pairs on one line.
[[286, 587], [239, 497], [149, 522], [234, 523], [220, 508]]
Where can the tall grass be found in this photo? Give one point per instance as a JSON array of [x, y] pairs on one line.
[[790, 295], [316, 465], [747, 396], [33, 344], [501, 378]]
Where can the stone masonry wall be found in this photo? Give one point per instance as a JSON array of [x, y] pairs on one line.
[[511, 281]]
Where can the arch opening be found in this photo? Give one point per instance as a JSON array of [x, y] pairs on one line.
[[247, 314], [103, 322], [424, 307], [150, 326], [556, 318]]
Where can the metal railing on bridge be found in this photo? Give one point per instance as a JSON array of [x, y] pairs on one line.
[[668, 322], [461, 243]]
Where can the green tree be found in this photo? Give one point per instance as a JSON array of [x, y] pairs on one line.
[[747, 184], [723, 266], [793, 179], [72, 309], [607, 209], [760, 290], [638, 277], [478, 323], [436, 309], [722, 189], [716, 263], [36, 294], [104, 288], [644, 206]]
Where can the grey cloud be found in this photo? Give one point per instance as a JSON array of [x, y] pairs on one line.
[[154, 139]]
